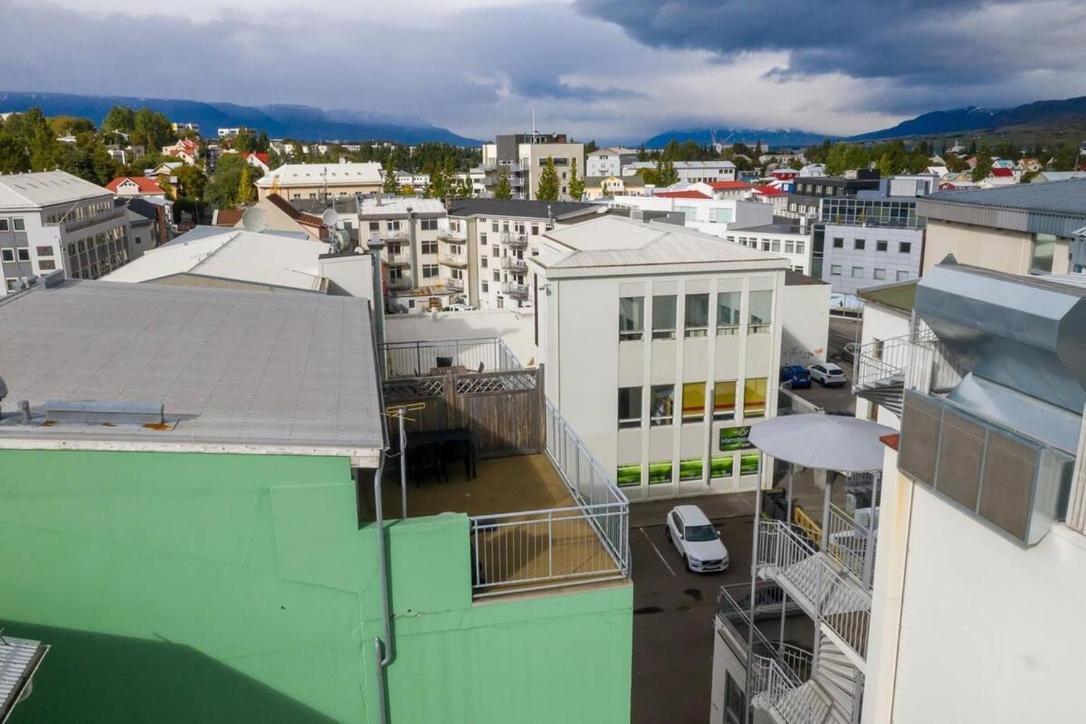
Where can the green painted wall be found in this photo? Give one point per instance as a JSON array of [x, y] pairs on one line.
[[238, 588]]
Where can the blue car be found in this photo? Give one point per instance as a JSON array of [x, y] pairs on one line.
[[795, 377]]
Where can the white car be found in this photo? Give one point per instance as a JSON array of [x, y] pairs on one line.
[[697, 541], [827, 374]]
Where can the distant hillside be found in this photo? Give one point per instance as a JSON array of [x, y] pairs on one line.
[[1039, 114], [294, 121], [773, 137]]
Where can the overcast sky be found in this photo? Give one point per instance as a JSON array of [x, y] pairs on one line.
[[607, 69]]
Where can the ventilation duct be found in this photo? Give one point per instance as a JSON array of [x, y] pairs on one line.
[[96, 412]]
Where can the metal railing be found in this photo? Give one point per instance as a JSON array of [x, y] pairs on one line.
[[514, 264], [416, 359], [513, 289], [513, 239], [830, 594], [454, 285], [544, 548], [846, 541], [452, 237], [458, 261], [77, 224], [589, 484], [917, 360]]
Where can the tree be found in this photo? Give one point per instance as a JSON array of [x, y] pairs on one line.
[[984, 166], [389, 173], [591, 147], [222, 190], [954, 163], [151, 129], [246, 190], [120, 118], [576, 185], [503, 190], [191, 182], [666, 175], [462, 188], [547, 190]]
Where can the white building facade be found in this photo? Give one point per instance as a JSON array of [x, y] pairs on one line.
[[609, 161]]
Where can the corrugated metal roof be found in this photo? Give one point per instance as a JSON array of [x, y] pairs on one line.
[[519, 208], [46, 188], [1055, 207], [236, 370], [257, 258]]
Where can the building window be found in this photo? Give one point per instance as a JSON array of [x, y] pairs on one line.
[[902, 275], [47, 264], [761, 312], [429, 271], [393, 248], [789, 247], [724, 400], [495, 251], [429, 247], [904, 247], [486, 287], [859, 244], [696, 319], [535, 229], [497, 276], [7, 255], [663, 405], [45, 251], [395, 275], [881, 245], [801, 247], [660, 472], [3, 224], [857, 272], [394, 226], [692, 469], [18, 224], [663, 316], [775, 245], [375, 226], [880, 273], [838, 242], [629, 407], [727, 312], [482, 262], [494, 226], [1042, 251], [428, 224], [694, 402], [631, 318], [835, 270], [754, 397], [628, 475], [23, 254]]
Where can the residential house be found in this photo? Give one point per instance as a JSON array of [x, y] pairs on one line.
[[149, 224], [685, 333], [206, 458], [1044, 176], [184, 126], [185, 149], [257, 159], [499, 236], [609, 161], [597, 187], [52, 220], [305, 181], [228, 132], [770, 195], [999, 176], [521, 157], [136, 186], [1022, 229]]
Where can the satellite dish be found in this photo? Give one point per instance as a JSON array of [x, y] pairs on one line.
[[330, 218], [254, 219]]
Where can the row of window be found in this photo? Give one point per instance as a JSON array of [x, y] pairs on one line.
[[663, 471], [774, 245], [858, 273], [694, 402], [631, 315], [517, 226], [903, 247], [16, 224]]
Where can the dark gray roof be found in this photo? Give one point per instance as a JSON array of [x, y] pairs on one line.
[[776, 228], [519, 208], [1055, 207]]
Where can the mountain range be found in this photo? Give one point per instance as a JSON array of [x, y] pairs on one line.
[[279, 121], [1039, 114]]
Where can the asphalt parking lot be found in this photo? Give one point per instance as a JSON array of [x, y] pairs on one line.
[[673, 617]]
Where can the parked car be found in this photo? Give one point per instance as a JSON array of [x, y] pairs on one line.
[[696, 540], [458, 307], [795, 377], [827, 374]]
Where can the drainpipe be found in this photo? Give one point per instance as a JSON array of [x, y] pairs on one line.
[[375, 247], [416, 272], [383, 649]]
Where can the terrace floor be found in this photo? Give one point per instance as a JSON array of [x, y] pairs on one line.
[[532, 548]]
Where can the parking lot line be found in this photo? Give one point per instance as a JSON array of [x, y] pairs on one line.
[[661, 555]]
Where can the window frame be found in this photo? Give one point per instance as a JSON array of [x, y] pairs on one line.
[[628, 422], [696, 330], [665, 332], [636, 332]]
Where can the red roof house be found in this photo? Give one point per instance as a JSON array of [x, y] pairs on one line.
[[135, 186]]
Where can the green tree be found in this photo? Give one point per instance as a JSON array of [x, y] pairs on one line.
[[120, 118], [151, 129], [389, 186], [503, 190], [191, 182], [576, 184], [33, 134], [246, 190], [955, 163], [439, 183], [14, 157], [547, 190], [1066, 158], [984, 165], [666, 175], [222, 191]]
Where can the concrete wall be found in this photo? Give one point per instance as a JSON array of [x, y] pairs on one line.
[[966, 625], [880, 323], [189, 587], [999, 249], [806, 323], [895, 265]]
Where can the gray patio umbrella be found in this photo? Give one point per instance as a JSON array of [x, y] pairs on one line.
[[823, 442]]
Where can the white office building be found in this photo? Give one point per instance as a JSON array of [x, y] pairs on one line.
[[707, 215], [53, 220], [609, 161], [781, 237], [662, 348], [690, 171]]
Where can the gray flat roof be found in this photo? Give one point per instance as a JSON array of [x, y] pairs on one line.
[[237, 371], [1054, 207], [519, 208]]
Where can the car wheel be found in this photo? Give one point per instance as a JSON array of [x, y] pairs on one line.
[[667, 534]]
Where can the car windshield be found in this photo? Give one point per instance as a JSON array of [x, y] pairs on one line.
[[699, 533]]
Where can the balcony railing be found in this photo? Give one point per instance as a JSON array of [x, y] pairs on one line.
[[454, 285], [78, 224], [400, 284], [411, 359], [513, 264], [514, 290], [542, 549], [456, 261], [398, 260], [885, 368], [513, 239], [452, 237], [820, 585]]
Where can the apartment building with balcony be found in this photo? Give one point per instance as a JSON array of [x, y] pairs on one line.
[[522, 157], [499, 237], [609, 161], [203, 471], [53, 221], [981, 552], [662, 347], [1022, 229]]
